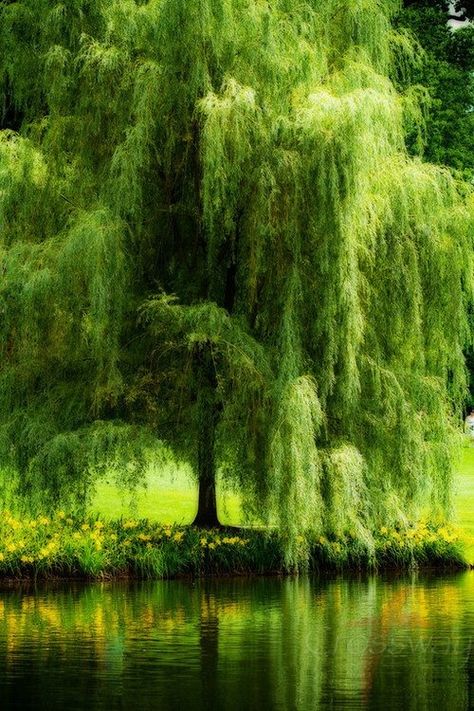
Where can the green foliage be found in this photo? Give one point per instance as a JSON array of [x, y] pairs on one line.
[[446, 72], [74, 547], [226, 182]]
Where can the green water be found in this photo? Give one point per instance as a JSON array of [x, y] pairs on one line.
[[368, 643]]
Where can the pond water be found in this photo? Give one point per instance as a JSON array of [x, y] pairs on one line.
[[307, 643]]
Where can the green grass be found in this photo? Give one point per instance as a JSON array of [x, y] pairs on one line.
[[170, 497], [464, 496]]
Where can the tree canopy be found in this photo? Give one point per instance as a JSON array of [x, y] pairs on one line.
[[212, 235]]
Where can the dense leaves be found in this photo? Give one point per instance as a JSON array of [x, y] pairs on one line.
[[446, 72], [212, 233]]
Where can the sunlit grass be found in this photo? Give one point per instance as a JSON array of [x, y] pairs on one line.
[[464, 497], [170, 497]]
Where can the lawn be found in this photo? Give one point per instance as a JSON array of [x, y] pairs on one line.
[[170, 496], [464, 495]]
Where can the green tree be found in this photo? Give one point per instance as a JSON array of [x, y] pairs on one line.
[[212, 235], [446, 72]]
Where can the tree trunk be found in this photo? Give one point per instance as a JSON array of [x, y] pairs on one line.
[[206, 516], [208, 417]]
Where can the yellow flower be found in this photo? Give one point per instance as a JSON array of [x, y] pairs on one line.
[[212, 546], [178, 536], [85, 527], [446, 534], [144, 537], [203, 541], [130, 524], [43, 520], [2, 557], [61, 515], [384, 530], [99, 525]]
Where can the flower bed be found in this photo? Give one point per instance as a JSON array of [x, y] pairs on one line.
[[63, 546]]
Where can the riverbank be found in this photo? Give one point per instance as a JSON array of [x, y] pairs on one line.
[[63, 546]]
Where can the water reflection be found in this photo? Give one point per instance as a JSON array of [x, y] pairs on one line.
[[240, 644]]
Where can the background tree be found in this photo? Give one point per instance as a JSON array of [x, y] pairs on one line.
[[212, 235], [446, 73]]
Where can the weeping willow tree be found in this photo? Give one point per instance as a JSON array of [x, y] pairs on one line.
[[212, 236]]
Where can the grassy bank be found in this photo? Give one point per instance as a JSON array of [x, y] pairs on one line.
[[147, 535], [68, 547]]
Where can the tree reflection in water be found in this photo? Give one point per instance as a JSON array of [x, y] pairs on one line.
[[235, 644]]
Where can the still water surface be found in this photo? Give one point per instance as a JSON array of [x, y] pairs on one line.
[[308, 643]]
